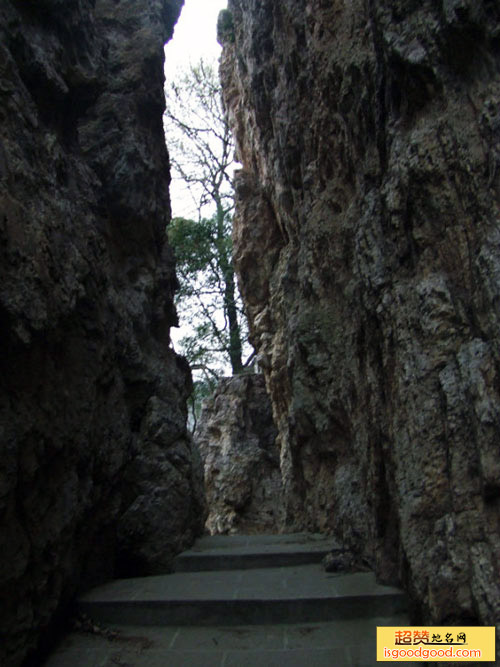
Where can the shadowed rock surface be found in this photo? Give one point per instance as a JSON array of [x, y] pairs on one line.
[[236, 437], [97, 472], [367, 242]]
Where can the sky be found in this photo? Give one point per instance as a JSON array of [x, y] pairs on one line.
[[195, 34]]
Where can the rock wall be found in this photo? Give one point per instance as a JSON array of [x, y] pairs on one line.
[[367, 242], [97, 473], [236, 437]]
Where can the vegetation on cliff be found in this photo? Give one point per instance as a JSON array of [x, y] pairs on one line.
[[202, 156]]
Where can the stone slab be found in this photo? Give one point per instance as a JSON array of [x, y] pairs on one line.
[[237, 597], [343, 643], [210, 542], [224, 552]]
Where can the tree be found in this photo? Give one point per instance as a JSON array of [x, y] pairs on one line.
[[202, 150], [208, 293]]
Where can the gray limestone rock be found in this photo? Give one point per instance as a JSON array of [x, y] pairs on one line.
[[367, 242], [96, 467], [236, 437]]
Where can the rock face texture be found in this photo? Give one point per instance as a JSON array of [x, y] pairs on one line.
[[236, 437], [367, 243], [97, 473]]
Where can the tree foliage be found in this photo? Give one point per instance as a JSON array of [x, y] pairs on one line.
[[199, 139], [207, 295], [202, 150]]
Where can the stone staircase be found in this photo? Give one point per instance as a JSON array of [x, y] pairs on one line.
[[237, 591]]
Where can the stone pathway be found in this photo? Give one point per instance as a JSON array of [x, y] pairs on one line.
[[264, 601]]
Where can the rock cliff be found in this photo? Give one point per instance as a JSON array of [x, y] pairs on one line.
[[236, 437], [97, 473], [367, 242]]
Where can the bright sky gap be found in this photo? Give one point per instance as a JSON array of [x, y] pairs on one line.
[[195, 37]]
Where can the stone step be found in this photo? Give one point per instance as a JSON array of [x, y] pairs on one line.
[[342, 643], [298, 594], [240, 552]]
